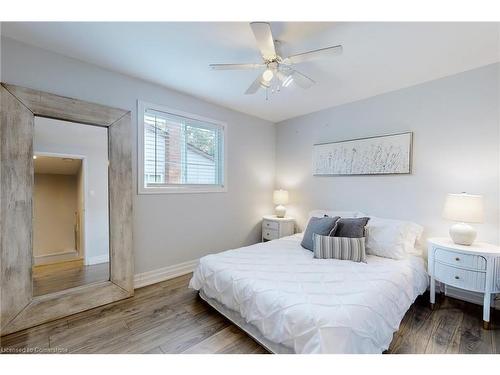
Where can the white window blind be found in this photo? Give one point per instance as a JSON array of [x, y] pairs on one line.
[[181, 151]]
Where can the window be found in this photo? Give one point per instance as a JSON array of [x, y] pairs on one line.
[[179, 152]]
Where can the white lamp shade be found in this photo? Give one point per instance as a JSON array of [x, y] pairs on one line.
[[280, 197], [464, 207]]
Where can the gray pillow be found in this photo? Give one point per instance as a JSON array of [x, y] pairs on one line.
[[324, 226], [351, 227]]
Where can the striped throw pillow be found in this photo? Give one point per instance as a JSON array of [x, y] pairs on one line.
[[343, 248]]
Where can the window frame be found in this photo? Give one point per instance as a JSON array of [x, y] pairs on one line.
[[177, 188]]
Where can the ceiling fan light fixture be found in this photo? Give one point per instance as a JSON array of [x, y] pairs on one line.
[[268, 75]]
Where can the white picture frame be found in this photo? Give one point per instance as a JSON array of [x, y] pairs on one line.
[[377, 155]]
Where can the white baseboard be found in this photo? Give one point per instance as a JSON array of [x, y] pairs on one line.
[[55, 257], [97, 259], [165, 273]]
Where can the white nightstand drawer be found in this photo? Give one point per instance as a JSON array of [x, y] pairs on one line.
[[270, 234], [460, 278], [267, 224], [474, 262]]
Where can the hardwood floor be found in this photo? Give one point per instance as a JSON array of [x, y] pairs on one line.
[[52, 278], [453, 327], [170, 318]]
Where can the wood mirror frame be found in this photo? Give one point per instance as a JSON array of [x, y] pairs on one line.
[[19, 309]]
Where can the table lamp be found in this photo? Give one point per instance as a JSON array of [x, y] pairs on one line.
[[280, 197], [463, 208]]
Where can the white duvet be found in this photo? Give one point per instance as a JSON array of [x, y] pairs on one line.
[[313, 305]]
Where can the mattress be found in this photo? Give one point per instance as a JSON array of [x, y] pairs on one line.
[[312, 305]]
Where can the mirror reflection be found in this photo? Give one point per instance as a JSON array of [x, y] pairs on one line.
[[70, 205]]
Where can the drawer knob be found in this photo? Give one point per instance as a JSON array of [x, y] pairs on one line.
[[456, 277], [457, 259]]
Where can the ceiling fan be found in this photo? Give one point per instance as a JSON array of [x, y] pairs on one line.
[[279, 71]]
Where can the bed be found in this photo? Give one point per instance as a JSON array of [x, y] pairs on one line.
[[292, 303]]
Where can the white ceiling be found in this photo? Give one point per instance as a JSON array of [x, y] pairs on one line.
[[377, 58]]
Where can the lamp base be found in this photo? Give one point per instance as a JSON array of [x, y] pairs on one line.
[[462, 234], [280, 211]]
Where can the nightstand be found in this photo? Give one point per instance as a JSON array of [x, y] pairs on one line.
[[276, 227], [474, 268]]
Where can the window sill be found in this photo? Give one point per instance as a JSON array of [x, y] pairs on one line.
[[181, 190]]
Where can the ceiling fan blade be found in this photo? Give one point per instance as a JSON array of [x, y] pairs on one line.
[[255, 86], [315, 54], [302, 80], [264, 37], [235, 66]]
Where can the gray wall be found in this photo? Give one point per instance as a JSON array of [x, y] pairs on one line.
[[171, 228], [455, 121]]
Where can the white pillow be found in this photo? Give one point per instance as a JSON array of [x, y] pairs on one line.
[[391, 238]]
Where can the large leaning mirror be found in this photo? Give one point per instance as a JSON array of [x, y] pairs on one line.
[[70, 205], [66, 206]]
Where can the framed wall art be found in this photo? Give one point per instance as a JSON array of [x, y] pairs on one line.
[[379, 155]]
